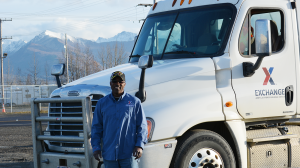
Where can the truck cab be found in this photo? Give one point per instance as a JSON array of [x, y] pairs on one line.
[[222, 91]]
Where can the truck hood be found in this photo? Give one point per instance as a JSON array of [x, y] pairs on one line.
[[162, 71]]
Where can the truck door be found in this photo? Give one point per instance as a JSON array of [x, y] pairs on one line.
[[270, 91]]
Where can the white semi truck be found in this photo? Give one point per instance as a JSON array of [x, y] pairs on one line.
[[221, 92]]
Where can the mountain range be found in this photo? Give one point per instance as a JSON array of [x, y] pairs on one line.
[[48, 47], [11, 47], [123, 36]]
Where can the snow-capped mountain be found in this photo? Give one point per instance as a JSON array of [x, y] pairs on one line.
[[11, 47], [48, 47], [123, 36], [51, 34]]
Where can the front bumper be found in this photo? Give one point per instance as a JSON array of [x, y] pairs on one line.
[[155, 154], [158, 154], [61, 160], [64, 149]]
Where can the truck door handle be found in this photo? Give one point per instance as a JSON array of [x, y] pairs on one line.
[[289, 95]]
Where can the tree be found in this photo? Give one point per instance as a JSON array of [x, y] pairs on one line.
[[77, 63], [9, 77], [19, 77], [28, 80], [81, 63], [46, 73], [111, 56], [90, 64], [118, 53], [34, 70]]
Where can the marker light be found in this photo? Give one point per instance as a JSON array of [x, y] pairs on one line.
[[228, 104], [154, 6], [174, 2], [150, 127], [181, 2], [190, 1]]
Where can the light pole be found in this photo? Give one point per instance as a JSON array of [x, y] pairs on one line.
[[2, 81], [2, 56]]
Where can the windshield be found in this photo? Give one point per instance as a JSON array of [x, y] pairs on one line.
[[202, 32]]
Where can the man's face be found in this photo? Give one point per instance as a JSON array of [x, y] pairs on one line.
[[117, 86]]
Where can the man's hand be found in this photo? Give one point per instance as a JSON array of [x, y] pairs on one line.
[[97, 155], [137, 152]]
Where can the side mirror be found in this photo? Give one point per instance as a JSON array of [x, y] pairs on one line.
[[263, 37], [262, 45], [145, 62], [58, 70]]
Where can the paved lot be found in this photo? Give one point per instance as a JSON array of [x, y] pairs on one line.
[[13, 120], [25, 108], [16, 150]]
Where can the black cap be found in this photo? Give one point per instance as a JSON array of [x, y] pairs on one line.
[[117, 73]]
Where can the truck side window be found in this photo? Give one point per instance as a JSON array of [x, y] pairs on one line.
[[247, 42], [276, 19], [244, 38]]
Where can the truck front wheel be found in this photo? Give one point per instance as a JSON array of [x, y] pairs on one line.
[[205, 149]]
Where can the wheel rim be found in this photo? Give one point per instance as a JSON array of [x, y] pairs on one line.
[[206, 158]]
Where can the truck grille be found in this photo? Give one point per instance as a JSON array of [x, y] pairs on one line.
[[68, 128]]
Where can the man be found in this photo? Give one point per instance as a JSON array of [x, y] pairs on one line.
[[119, 121]]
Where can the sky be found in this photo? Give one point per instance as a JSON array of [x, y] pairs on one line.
[[88, 19]]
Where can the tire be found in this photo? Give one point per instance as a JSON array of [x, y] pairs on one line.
[[203, 148]]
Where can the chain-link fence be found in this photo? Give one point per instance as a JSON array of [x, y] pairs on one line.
[[17, 97]]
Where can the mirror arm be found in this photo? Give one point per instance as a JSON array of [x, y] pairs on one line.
[[258, 63], [58, 70], [141, 94], [248, 67], [145, 62], [58, 81]]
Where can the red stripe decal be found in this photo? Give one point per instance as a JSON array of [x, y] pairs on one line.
[[267, 76]]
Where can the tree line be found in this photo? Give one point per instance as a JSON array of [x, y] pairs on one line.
[[82, 62]]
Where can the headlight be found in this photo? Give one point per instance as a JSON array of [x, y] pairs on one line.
[[150, 127]]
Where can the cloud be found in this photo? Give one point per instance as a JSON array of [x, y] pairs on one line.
[[80, 18], [75, 28]]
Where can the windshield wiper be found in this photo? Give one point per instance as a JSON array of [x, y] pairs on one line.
[[137, 55], [181, 52], [187, 52]]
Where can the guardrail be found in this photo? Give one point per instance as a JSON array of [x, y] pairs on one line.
[[39, 153]]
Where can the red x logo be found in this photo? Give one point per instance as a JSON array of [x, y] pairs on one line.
[[268, 76]]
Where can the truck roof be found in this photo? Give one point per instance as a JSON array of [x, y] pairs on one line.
[[167, 5]]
